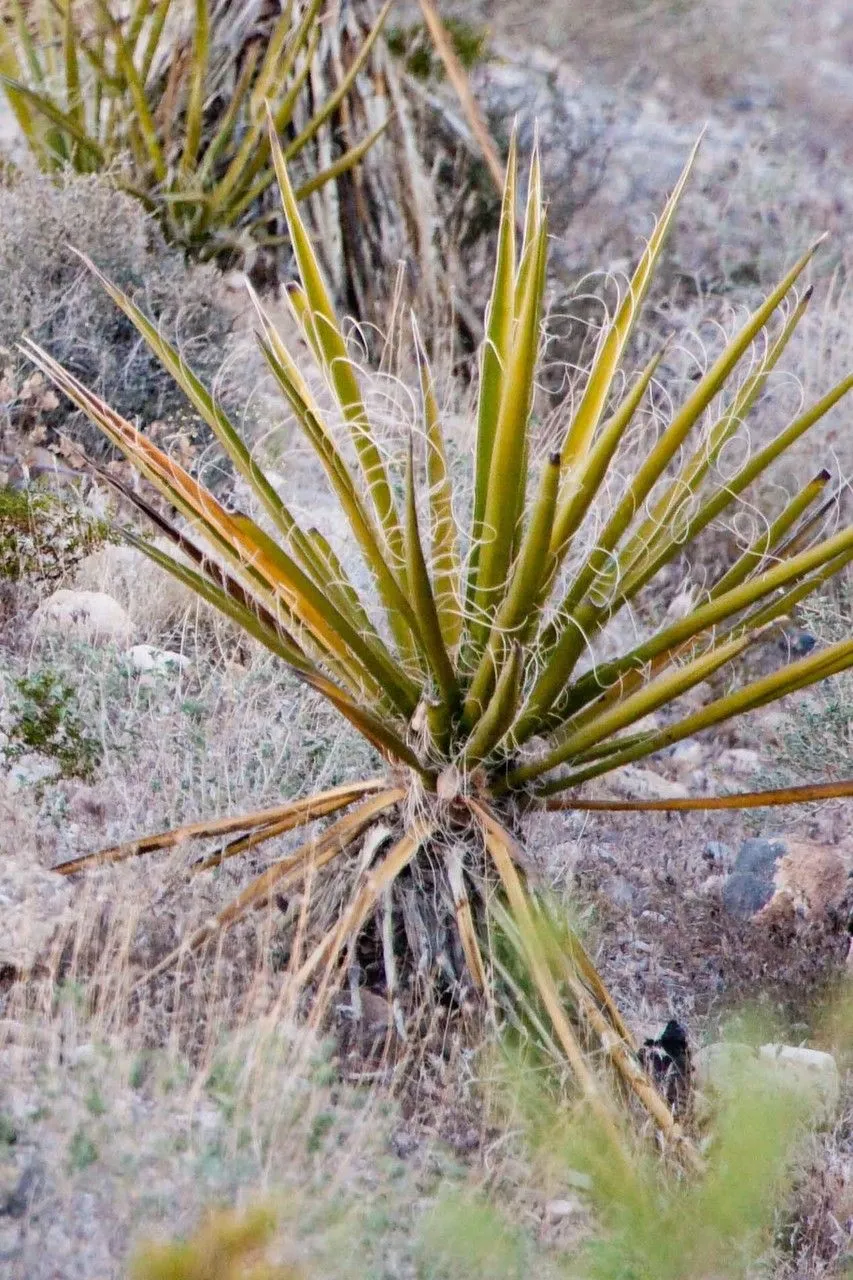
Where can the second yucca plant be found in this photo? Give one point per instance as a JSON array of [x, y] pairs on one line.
[[466, 667], [99, 87]]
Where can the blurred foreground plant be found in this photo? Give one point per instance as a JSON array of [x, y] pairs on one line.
[[90, 90], [230, 1246], [466, 669], [646, 1223]]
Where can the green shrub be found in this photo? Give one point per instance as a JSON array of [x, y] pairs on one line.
[[43, 538], [44, 718], [46, 292]]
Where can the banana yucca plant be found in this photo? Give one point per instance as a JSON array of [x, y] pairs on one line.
[[466, 666], [91, 90]]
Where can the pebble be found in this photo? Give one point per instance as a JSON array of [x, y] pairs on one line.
[[148, 659]]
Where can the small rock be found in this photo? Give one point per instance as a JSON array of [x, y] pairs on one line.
[[719, 1071], [717, 853], [813, 876], [18, 1201], [33, 904], [718, 1067], [643, 784], [92, 615], [148, 658], [740, 761], [558, 1210], [687, 755], [799, 876], [84, 1055], [32, 770], [620, 891]]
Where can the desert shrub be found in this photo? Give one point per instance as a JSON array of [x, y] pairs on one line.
[[46, 291], [43, 717], [43, 538]]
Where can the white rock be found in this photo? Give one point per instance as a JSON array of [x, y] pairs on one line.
[[92, 615], [559, 1210], [719, 1067], [687, 755], [720, 1070], [32, 770], [810, 1070], [33, 904], [148, 658]]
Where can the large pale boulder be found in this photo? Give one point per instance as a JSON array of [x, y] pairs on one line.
[[90, 615], [721, 1069]]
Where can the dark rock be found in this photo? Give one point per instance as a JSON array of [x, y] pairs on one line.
[[18, 1202], [753, 880], [743, 895], [758, 857]]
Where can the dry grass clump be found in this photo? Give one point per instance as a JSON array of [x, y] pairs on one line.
[[47, 292]]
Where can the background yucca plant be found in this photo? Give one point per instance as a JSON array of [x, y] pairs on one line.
[[467, 670], [170, 96]]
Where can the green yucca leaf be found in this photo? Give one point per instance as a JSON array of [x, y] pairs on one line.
[[329, 343], [499, 713], [333, 100], [74, 102], [143, 117], [736, 601], [517, 615], [507, 472], [592, 473], [495, 356], [797, 675], [444, 559], [254, 621], [649, 472], [423, 600], [251, 147], [582, 429], [665, 514], [275, 66], [65, 123], [398, 608], [727, 493], [652, 695], [768, 541], [198, 76]]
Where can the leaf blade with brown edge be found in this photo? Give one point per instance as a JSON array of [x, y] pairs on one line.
[[313, 854], [298, 812]]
